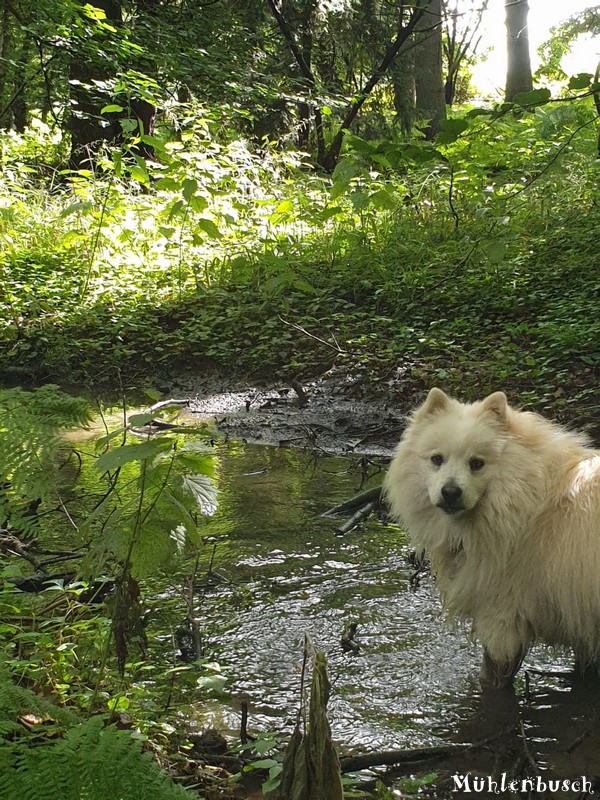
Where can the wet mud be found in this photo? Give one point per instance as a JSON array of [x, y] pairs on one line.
[[333, 414]]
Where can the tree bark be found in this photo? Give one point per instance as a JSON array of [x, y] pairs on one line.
[[428, 70], [403, 82], [518, 73]]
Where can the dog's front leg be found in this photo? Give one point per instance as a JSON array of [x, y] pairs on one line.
[[498, 674]]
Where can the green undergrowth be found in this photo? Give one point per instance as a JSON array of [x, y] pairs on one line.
[[473, 266]]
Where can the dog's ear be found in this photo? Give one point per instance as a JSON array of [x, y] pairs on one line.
[[436, 400], [497, 404]]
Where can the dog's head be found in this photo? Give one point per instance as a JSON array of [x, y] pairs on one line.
[[458, 446]]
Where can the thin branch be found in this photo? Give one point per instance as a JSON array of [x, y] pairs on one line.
[[335, 347]]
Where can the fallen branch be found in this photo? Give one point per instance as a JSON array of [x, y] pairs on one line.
[[335, 347], [355, 520], [358, 501], [391, 757], [165, 403]]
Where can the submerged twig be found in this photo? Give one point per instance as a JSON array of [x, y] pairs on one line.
[[355, 520], [391, 757], [358, 501]]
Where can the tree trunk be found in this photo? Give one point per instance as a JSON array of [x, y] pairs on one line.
[[428, 70], [7, 83], [87, 130], [403, 82], [518, 73]]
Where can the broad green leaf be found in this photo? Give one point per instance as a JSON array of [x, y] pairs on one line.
[[361, 146], [188, 188], [198, 203], [209, 227], [495, 251], [112, 108], [130, 452], [285, 206], [204, 491], [384, 200], [345, 171], [332, 211], [581, 81], [359, 200], [169, 184], [451, 130], [138, 420], [140, 174], [535, 97], [179, 535], [104, 440], [421, 155], [338, 189], [80, 205]]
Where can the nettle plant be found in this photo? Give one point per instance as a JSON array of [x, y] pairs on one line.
[[145, 507]]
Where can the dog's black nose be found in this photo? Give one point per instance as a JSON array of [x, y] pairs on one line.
[[451, 494]]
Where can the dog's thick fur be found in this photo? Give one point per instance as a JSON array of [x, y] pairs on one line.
[[507, 507]]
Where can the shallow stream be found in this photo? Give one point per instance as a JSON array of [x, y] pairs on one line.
[[411, 673], [414, 680], [282, 572]]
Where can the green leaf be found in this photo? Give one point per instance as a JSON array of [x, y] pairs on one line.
[[209, 227], [383, 199], [80, 205], [112, 108], [214, 682], [495, 251], [451, 130], [359, 200], [580, 81], [265, 763], [140, 174], [198, 203], [421, 155], [204, 491], [189, 188], [138, 420], [169, 184], [534, 98], [332, 211], [338, 189], [345, 171], [361, 146], [130, 452]]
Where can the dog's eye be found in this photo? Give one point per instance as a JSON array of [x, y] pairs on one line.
[[437, 459], [476, 464]]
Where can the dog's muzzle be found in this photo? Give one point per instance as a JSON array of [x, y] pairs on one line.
[[452, 498]]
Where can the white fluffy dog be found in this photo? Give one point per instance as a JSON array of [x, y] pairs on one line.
[[507, 507]]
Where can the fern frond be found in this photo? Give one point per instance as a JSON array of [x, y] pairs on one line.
[[91, 762]]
